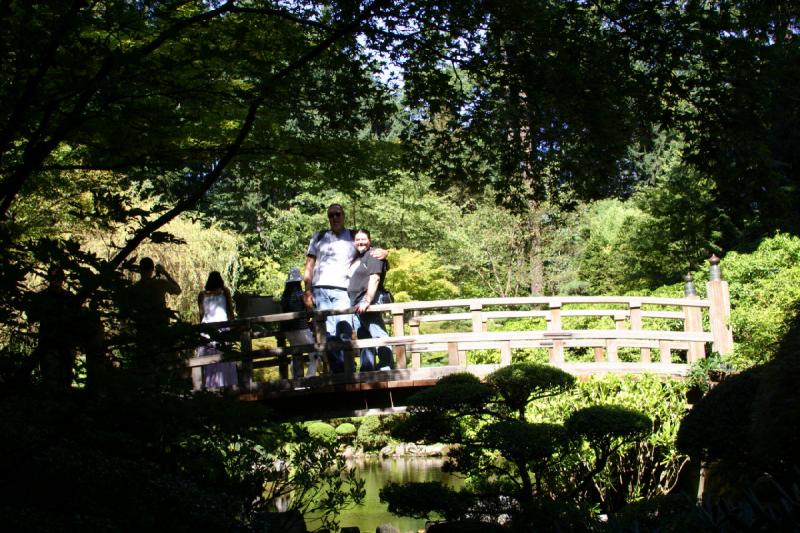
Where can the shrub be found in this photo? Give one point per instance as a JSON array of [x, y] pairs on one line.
[[370, 435], [647, 468], [519, 467], [345, 430], [321, 431], [764, 287], [747, 424], [418, 275]]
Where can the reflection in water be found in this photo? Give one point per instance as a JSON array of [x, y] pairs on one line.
[[377, 473]]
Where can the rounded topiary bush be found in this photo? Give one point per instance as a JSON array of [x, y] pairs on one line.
[[520, 383], [321, 431], [523, 440], [346, 429], [454, 392], [601, 424], [371, 434]]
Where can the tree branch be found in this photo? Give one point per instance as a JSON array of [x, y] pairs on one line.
[[282, 14], [63, 27], [214, 175], [38, 149]]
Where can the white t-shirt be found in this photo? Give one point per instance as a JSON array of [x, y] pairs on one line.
[[333, 254], [215, 308]]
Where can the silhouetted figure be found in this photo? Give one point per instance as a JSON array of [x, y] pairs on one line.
[[150, 314], [149, 293], [216, 305], [297, 331], [98, 364], [58, 313]]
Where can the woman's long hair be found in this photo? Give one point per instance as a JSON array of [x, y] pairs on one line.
[[214, 281]]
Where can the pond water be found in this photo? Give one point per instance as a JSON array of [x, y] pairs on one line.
[[377, 473]]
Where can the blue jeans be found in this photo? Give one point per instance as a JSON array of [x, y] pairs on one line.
[[370, 326], [337, 327]]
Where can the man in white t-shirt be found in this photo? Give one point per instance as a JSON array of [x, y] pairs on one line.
[[325, 277]]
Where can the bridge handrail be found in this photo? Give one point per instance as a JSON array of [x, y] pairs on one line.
[[560, 301], [629, 332], [495, 336], [605, 342]]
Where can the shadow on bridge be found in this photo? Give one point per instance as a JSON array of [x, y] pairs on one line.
[[387, 391]]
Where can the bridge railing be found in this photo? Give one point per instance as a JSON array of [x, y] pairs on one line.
[[689, 316]]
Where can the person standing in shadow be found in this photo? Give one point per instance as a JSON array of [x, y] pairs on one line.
[[151, 318], [151, 290], [297, 331], [59, 315], [216, 305]]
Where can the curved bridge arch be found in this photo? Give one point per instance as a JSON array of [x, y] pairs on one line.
[[693, 326]]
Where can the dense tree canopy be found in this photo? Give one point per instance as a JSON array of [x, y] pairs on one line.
[[261, 100], [169, 98]]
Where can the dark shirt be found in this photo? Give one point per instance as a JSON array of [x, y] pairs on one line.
[[58, 312], [150, 293], [365, 266], [292, 302], [147, 301]]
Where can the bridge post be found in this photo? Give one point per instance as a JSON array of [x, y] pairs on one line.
[[720, 309], [283, 359], [692, 322], [612, 346], [554, 324], [599, 354], [635, 308], [397, 331], [612, 350], [478, 325], [246, 345], [197, 378], [413, 326], [454, 356], [320, 338], [619, 320], [476, 310], [665, 349], [505, 353]]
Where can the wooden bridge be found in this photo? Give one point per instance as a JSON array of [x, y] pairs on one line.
[[436, 338]]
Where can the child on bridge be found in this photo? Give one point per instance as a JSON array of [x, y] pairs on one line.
[[297, 331]]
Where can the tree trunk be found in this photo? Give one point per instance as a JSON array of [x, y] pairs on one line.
[[535, 262]]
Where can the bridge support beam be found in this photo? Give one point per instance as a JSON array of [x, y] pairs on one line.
[[611, 351], [554, 324], [505, 353], [720, 309], [246, 344], [397, 331]]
